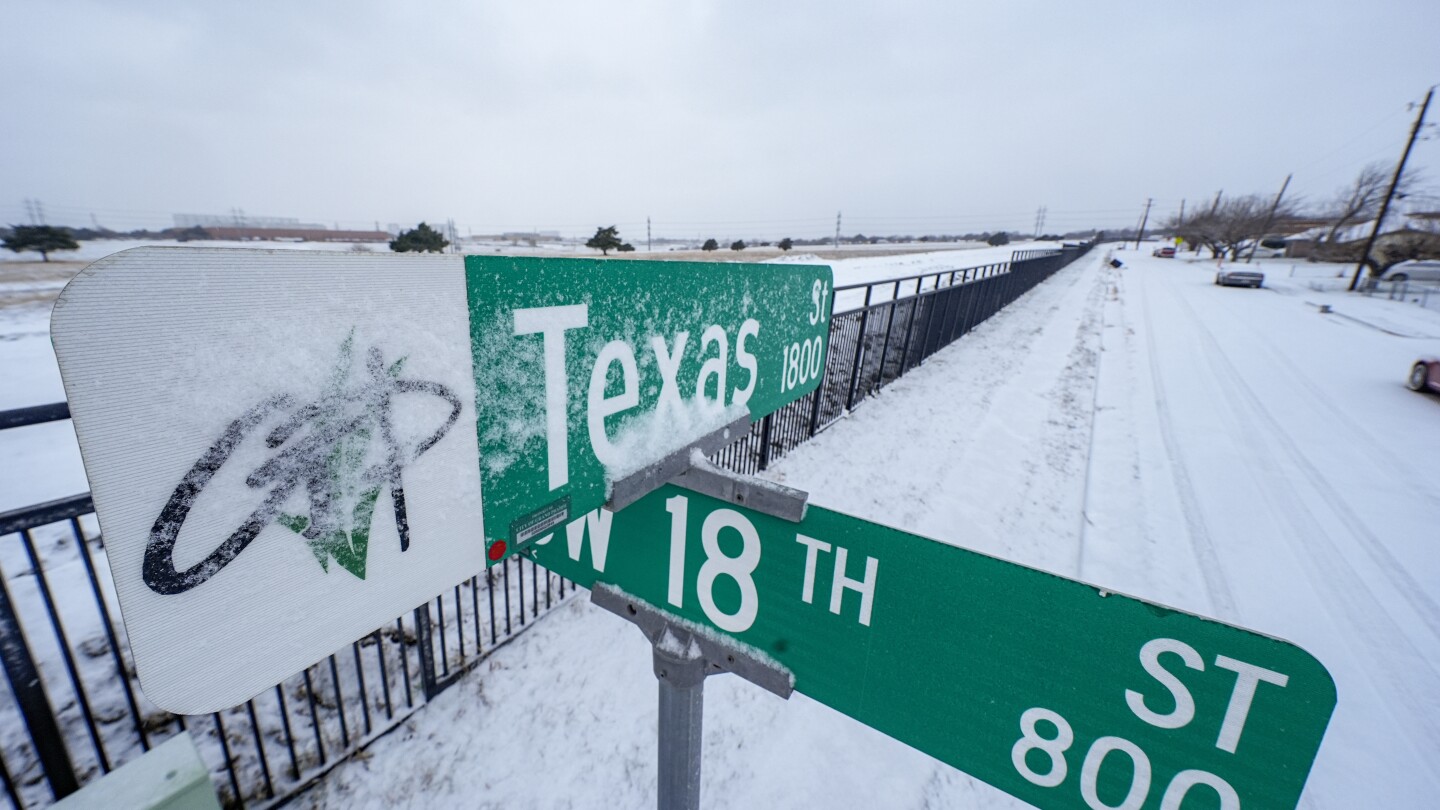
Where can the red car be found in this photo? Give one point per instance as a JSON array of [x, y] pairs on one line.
[[1164, 252], [1425, 375]]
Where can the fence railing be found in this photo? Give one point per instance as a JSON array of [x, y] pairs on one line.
[[882, 330], [73, 711], [1425, 294]]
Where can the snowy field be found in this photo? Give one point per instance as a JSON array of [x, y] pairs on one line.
[[1231, 452]]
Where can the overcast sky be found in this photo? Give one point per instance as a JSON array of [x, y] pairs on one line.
[[744, 119]]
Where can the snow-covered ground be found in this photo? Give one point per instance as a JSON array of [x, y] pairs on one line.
[[1232, 452]]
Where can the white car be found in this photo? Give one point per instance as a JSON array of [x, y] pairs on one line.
[[1271, 247], [1413, 270], [1230, 277]]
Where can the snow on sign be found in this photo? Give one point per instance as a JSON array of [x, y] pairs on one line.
[[637, 362], [1058, 692], [283, 446]]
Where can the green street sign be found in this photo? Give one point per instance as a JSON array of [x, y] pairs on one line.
[[1063, 694], [588, 370]]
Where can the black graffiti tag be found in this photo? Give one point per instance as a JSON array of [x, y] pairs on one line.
[[345, 414]]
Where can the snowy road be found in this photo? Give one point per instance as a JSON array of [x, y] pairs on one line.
[[1228, 451], [1302, 476]]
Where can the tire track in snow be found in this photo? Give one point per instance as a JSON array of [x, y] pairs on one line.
[[1372, 630], [1111, 282], [1374, 548], [1369, 446], [1222, 600], [1043, 509], [991, 378]]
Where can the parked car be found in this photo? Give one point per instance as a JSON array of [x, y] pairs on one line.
[[1425, 375], [1164, 252], [1270, 247], [1240, 278], [1413, 270]]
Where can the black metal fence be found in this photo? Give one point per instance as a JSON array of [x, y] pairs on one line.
[[885, 329], [72, 711]]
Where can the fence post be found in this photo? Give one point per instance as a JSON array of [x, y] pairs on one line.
[[889, 327], [34, 707], [824, 380], [859, 349], [960, 299], [910, 327], [815, 408], [765, 441], [427, 650]]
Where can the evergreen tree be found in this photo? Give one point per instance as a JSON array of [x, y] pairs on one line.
[[998, 239], [423, 238], [626, 248], [40, 238], [710, 244], [786, 243], [738, 244], [605, 240]]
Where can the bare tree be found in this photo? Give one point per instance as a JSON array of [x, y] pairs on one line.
[[1241, 220], [1400, 247], [1231, 227], [1197, 230], [1361, 199]]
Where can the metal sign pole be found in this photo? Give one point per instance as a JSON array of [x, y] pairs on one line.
[[685, 654], [682, 709]]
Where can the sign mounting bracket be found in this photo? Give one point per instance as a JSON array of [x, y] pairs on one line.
[[656, 474], [684, 656], [690, 469]]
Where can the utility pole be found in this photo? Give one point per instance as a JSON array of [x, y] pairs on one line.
[[1394, 181], [1216, 206], [837, 230], [647, 235], [1144, 218], [1182, 210], [1269, 218], [1039, 220]]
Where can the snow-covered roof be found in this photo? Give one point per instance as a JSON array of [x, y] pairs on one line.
[[1395, 221]]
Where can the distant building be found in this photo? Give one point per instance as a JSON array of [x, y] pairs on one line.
[[301, 234], [239, 220], [530, 236], [1398, 226], [243, 227]]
